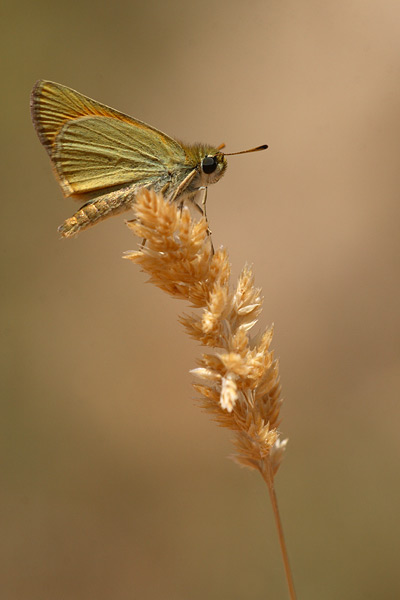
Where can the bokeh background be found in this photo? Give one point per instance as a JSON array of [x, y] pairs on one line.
[[114, 484]]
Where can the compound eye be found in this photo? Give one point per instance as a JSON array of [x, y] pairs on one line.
[[209, 164]]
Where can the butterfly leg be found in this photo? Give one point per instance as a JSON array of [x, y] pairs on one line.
[[182, 186], [202, 211]]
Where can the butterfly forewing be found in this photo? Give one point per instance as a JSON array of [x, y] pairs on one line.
[[93, 146]]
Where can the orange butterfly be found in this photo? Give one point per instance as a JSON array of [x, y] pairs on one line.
[[102, 157]]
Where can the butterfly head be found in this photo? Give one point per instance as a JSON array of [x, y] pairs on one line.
[[213, 166]]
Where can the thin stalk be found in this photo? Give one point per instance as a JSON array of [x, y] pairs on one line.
[[267, 475]]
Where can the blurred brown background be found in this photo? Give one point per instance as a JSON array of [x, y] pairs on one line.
[[114, 484]]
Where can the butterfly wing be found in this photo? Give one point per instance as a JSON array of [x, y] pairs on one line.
[[93, 146]]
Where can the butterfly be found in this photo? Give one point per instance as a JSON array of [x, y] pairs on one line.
[[103, 157]]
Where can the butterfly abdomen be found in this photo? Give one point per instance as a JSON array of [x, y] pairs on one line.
[[96, 210]]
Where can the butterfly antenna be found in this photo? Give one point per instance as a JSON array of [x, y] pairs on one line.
[[257, 149]]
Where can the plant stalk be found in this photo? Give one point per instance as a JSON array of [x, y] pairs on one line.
[[267, 475]]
